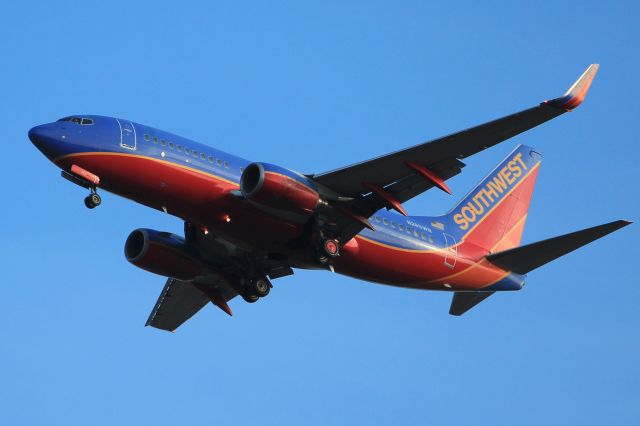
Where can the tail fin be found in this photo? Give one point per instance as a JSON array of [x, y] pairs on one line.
[[493, 214]]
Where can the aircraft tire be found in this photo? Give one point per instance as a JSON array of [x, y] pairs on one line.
[[250, 298], [95, 199], [89, 203], [92, 201], [259, 286]]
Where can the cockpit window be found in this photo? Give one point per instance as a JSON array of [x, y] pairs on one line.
[[78, 120]]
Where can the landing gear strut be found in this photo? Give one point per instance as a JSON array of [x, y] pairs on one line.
[[92, 200], [255, 289]]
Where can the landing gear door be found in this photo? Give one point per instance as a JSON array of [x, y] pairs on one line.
[[450, 250], [127, 134]]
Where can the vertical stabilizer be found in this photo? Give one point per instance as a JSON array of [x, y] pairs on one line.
[[493, 214]]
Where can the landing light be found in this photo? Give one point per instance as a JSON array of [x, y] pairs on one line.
[[227, 218]]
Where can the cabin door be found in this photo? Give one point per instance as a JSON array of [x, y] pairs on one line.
[[127, 134], [450, 250]]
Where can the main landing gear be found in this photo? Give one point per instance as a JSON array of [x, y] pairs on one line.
[[256, 288], [92, 200]]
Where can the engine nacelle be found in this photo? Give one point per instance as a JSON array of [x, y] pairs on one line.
[[162, 253], [280, 192]]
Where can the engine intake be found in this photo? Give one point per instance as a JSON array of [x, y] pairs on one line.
[[279, 191], [162, 253]]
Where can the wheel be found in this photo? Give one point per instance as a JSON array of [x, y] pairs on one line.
[[262, 287], [88, 202], [95, 199], [250, 298], [259, 287]]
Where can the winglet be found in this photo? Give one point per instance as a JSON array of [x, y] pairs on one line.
[[576, 93]]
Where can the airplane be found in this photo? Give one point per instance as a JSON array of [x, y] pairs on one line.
[[248, 223]]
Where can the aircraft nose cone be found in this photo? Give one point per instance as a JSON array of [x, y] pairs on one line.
[[34, 135], [44, 138]]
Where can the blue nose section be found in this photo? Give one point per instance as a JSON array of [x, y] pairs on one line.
[[41, 135], [35, 135], [46, 138]]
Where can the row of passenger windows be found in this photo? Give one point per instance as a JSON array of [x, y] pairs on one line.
[[78, 120], [404, 228], [187, 151]]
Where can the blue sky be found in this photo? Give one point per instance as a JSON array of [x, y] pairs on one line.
[[313, 86]]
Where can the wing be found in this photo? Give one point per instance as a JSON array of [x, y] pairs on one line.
[[180, 300], [226, 263], [391, 179]]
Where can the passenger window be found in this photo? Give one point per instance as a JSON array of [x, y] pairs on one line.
[[423, 235], [219, 161], [431, 240], [242, 170], [187, 151], [203, 156], [87, 122], [400, 227], [385, 221], [226, 164], [415, 234], [147, 137], [163, 142], [377, 218], [408, 230], [171, 145], [210, 159], [393, 225], [155, 139], [76, 120], [179, 148]]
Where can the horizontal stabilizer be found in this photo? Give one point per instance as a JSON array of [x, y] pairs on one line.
[[463, 301], [527, 258]]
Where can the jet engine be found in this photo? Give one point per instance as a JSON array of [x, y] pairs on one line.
[[162, 253], [280, 192]]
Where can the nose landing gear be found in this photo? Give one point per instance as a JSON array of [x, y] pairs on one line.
[[85, 179]]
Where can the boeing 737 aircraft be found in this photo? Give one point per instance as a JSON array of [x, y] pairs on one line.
[[247, 223]]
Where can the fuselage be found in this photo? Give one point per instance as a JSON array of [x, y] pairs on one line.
[[199, 184]]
